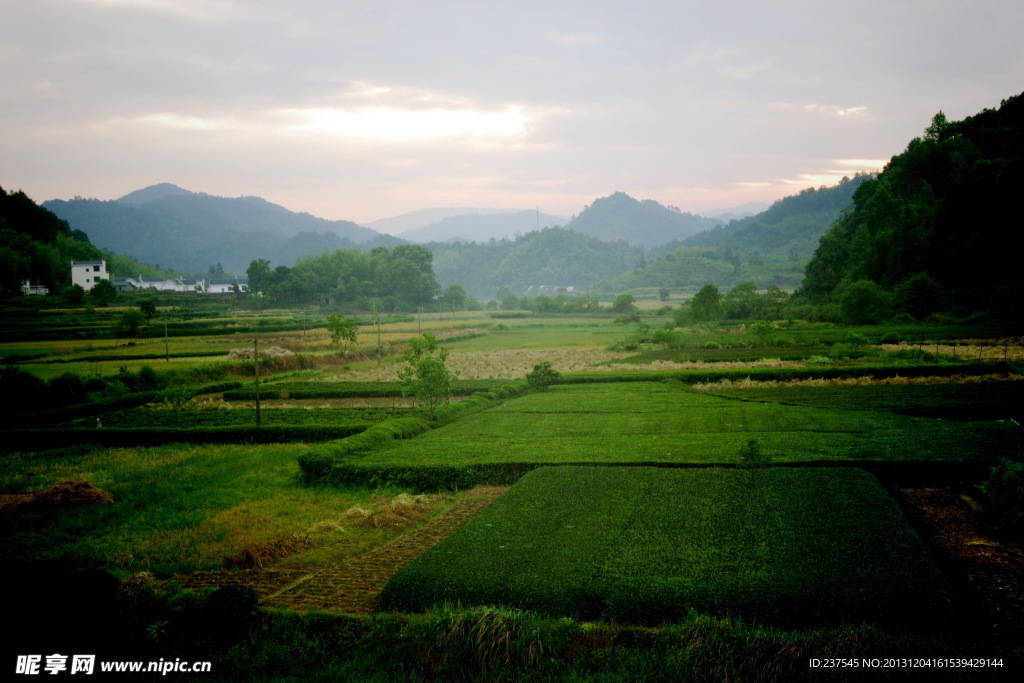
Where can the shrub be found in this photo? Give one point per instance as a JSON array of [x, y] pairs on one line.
[[1005, 492], [543, 376]]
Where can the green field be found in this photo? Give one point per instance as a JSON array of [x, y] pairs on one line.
[[643, 545], [721, 559], [641, 422]]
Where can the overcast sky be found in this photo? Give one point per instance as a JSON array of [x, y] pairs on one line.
[[360, 110]]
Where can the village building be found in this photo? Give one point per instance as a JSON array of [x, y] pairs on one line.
[[86, 274], [29, 289], [227, 286]]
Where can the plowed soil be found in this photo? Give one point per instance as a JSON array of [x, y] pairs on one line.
[[352, 586]]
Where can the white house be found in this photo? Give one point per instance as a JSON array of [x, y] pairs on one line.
[[227, 286], [179, 284], [29, 289], [85, 274]]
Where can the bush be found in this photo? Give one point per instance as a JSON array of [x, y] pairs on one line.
[[1005, 492], [543, 376]]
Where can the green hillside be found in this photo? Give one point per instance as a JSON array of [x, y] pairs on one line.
[[930, 233]]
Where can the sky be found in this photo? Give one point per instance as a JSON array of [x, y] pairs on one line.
[[362, 110]]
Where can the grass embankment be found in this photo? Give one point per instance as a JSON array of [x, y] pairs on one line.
[[794, 546]]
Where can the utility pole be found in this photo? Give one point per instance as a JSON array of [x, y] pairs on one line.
[[256, 360], [167, 353]]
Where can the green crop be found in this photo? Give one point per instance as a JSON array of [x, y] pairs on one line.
[[646, 545]]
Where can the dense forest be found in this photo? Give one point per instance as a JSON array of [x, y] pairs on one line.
[[396, 279], [934, 231]]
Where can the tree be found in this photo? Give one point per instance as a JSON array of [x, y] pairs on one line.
[[425, 374], [762, 331], [260, 277], [147, 308], [177, 397], [742, 301], [543, 376], [624, 303], [455, 297], [75, 294], [509, 300], [130, 323], [343, 330], [863, 302], [103, 292], [919, 296], [706, 305]]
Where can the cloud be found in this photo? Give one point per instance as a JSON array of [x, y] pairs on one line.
[[389, 124]]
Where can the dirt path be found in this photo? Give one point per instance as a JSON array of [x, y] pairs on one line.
[[353, 586]]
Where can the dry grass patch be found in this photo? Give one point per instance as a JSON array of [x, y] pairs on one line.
[[261, 555], [504, 364], [1011, 349], [747, 383], [400, 512]]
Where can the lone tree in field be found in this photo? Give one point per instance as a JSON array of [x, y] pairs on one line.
[[543, 376], [343, 330], [425, 374]]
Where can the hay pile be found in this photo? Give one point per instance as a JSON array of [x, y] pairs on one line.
[[247, 353], [399, 512], [261, 555], [72, 492]]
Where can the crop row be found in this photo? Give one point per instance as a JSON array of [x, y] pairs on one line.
[[62, 437], [646, 545], [970, 401], [158, 418], [314, 390], [786, 374]]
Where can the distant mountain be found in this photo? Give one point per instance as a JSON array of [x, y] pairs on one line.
[[768, 249], [736, 212], [481, 228], [154, 192], [790, 227], [551, 258], [401, 224], [642, 223], [189, 231]]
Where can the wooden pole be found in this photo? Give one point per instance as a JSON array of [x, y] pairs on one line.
[[256, 360]]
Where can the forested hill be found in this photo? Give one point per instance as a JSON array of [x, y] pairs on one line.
[[189, 231], [640, 223], [790, 227], [935, 231], [37, 246], [552, 258]]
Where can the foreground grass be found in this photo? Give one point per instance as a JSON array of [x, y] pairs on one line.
[[177, 508]]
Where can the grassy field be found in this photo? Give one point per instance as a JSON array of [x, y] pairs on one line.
[[642, 545]]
